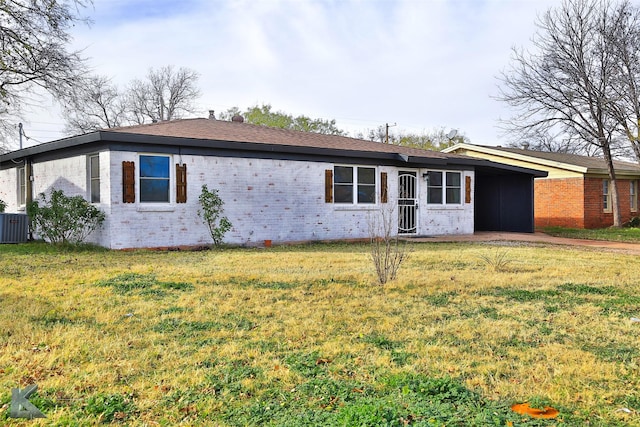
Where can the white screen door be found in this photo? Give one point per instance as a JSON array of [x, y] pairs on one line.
[[407, 203]]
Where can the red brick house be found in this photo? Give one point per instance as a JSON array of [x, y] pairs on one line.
[[576, 192]]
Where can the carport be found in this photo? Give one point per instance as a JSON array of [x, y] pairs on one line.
[[504, 198]]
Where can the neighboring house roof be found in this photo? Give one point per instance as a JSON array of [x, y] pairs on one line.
[[207, 136], [571, 162]]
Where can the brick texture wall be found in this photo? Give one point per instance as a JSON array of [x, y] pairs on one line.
[[559, 202], [595, 217], [577, 203]]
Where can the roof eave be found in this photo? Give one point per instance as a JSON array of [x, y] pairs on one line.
[[515, 156]]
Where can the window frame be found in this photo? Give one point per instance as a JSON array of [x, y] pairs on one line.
[[606, 196], [21, 186], [444, 187], [140, 179], [355, 185], [91, 179], [633, 195]]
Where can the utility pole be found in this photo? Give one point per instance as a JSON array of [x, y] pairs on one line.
[[20, 132], [386, 140]]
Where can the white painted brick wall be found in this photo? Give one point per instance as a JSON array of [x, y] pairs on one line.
[[277, 200]]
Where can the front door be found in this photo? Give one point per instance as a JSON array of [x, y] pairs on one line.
[[407, 203]]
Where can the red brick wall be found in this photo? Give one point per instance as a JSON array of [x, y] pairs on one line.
[[559, 202], [595, 217], [577, 203]]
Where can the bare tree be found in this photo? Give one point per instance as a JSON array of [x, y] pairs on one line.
[[624, 39], [552, 143], [34, 35], [166, 94], [95, 104], [565, 85]]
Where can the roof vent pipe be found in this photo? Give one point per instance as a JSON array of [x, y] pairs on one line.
[[212, 115]]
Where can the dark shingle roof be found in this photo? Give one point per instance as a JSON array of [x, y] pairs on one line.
[[243, 132]]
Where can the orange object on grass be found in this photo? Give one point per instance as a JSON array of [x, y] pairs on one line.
[[525, 409]]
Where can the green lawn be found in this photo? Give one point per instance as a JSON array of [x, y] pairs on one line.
[[295, 336], [625, 234]]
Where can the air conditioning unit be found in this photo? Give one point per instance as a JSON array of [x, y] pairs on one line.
[[14, 228]]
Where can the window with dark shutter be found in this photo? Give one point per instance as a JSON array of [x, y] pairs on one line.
[[467, 189], [128, 182], [384, 195], [328, 186], [181, 183]]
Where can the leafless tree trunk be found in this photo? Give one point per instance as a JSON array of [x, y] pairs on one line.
[[565, 85]]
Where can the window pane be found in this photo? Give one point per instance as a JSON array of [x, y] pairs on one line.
[[343, 174], [435, 179], [343, 193], [453, 195], [366, 193], [22, 186], [154, 190], [366, 176], [453, 179], [95, 191], [154, 166], [95, 166], [434, 195]]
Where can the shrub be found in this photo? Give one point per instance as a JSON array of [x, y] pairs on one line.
[[633, 222], [387, 253], [212, 209], [3, 205], [63, 219]]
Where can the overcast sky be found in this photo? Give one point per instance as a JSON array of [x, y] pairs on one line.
[[422, 64]]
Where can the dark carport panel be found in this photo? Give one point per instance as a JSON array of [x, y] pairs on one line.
[[504, 198]]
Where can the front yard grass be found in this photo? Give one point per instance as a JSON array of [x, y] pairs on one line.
[[624, 234], [304, 336]]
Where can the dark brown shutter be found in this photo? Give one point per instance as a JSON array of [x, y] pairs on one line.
[[467, 189], [128, 182], [181, 183], [384, 193], [328, 186]]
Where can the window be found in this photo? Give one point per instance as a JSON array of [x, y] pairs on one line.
[[354, 185], [633, 195], [444, 188], [154, 179], [22, 186], [453, 188], [434, 187], [606, 196], [94, 178]]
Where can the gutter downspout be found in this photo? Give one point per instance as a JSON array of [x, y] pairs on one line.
[[28, 197]]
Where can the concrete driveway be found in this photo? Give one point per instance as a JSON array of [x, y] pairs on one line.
[[540, 238]]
